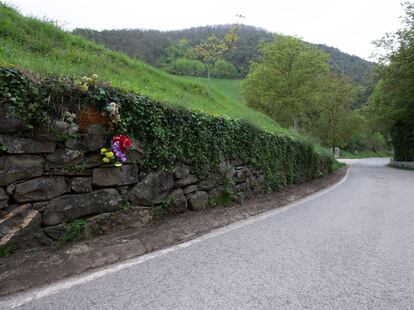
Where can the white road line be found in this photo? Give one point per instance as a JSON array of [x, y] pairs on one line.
[[31, 295]]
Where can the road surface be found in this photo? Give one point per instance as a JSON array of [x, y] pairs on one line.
[[351, 247]]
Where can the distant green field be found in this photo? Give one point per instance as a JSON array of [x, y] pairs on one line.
[[229, 88], [43, 48]]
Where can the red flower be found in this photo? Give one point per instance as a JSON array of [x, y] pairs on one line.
[[124, 142]]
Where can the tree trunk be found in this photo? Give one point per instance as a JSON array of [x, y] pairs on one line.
[[208, 79], [295, 124]]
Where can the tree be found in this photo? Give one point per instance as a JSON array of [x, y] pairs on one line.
[[393, 98], [336, 121], [288, 75], [214, 49]]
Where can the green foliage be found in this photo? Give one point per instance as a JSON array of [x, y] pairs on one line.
[[170, 135], [153, 46], [392, 103], [337, 165], [287, 78], [43, 48], [402, 133], [334, 125], [8, 249], [183, 66], [223, 69], [126, 205], [162, 210], [78, 230]]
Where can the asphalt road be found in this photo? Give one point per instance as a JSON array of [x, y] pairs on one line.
[[349, 248]]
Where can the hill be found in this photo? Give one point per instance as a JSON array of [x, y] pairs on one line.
[[41, 47], [149, 45]]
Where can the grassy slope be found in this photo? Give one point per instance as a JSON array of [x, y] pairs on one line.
[[229, 88], [43, 48]]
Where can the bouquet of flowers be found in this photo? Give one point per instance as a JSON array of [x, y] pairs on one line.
[[118, 151]]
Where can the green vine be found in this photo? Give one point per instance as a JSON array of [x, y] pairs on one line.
[[169, 135]]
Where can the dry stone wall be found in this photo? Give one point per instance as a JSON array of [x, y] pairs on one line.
[[47, 182]]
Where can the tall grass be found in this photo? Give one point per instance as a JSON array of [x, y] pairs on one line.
[[40, 46]]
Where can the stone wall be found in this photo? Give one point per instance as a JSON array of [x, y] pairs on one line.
[[47, 182]]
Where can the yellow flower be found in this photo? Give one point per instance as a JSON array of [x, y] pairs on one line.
[[103, 151], [84, 87], [109, 155], [106, 160], [118, 164]]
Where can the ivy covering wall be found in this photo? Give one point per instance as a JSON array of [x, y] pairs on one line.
[[166, 135]]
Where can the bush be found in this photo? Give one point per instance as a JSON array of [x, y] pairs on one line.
[[168, 135], [183, 66], [223, 69], [402, 133]]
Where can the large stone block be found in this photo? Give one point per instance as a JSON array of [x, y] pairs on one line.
[[198, 201], [22, 227], [64, 157], [68, 207], [20, 145], [181, 171], [153, 188], [115, 176], [8, 122], [81, 185], [4, 198], [39, 189], [19, 167], [92, 141], [190, 179], [178, 203], [208, 184]]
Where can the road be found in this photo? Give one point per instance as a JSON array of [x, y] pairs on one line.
[[351, 247]]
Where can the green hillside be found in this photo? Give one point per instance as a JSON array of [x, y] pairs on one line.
[[228, 87], [150, 46], [41, 47]]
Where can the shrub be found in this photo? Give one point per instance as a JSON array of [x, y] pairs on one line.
[[183, 66], [223, 69]]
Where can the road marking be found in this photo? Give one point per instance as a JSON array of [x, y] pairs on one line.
[[31, 295]]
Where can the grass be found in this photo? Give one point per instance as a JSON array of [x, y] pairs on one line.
[[365, 154], [78, 230], [41, 47], [337, 165], [7, 249], [228, 87]]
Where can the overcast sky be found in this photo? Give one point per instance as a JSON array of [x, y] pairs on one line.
[[350, 25]]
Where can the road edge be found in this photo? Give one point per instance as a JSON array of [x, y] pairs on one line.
[[22, 298]]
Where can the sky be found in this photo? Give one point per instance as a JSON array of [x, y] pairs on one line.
[[350, 25]]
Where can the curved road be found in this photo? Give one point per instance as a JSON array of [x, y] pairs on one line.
[[349, 248]]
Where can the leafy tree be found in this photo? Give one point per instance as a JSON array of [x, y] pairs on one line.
[[224, 69], [214, 49], [287, 78], [393, 98], [175, 50], [336, 121]]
